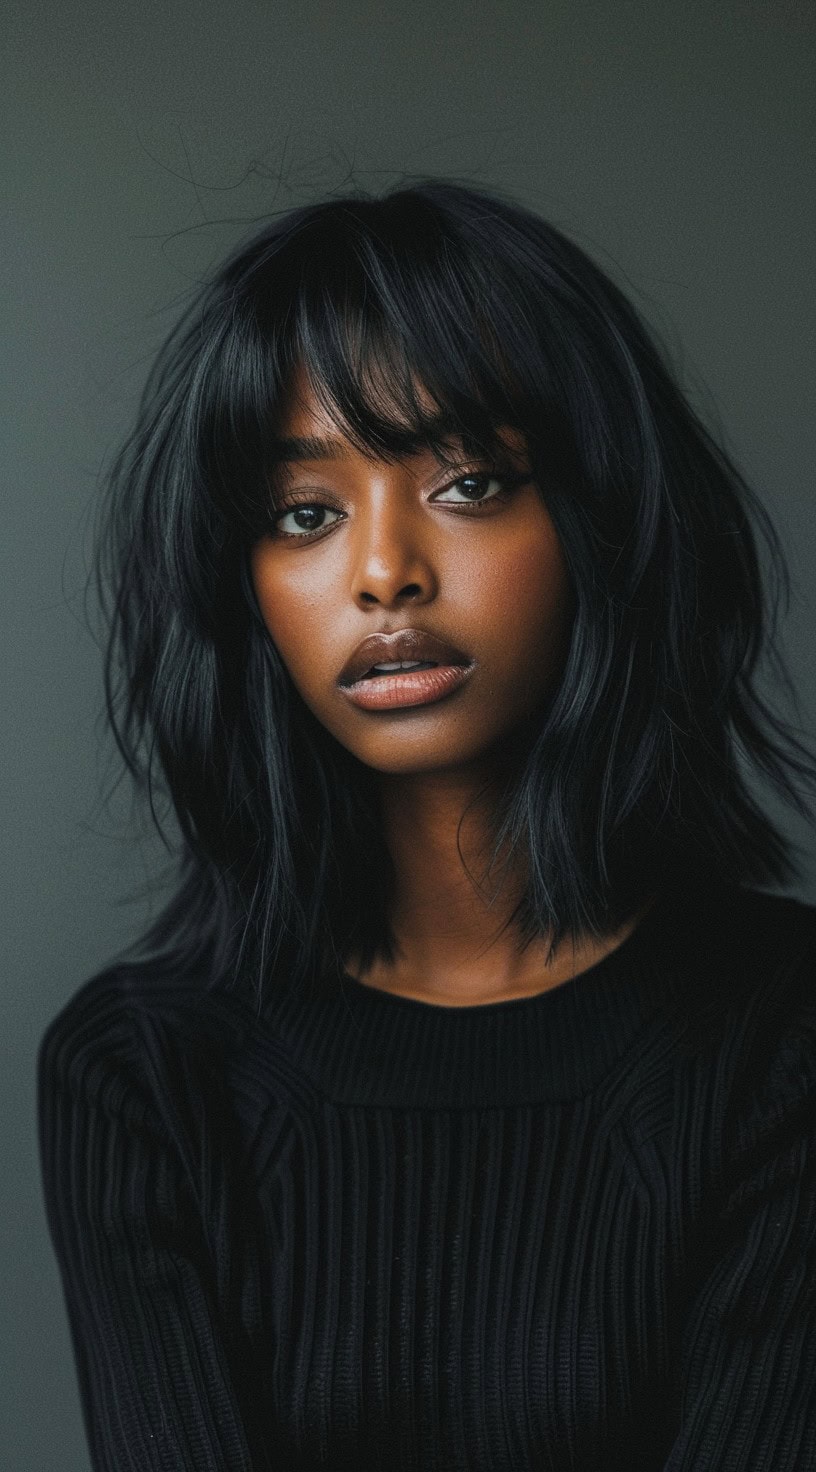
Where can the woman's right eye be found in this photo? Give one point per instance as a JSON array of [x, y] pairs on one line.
[[307, 511]]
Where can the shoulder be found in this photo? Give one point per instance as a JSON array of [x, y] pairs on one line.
[[118, 1016], [747, 1012], [133, 1037], [777, 923], [776, 1027], [759, 959]]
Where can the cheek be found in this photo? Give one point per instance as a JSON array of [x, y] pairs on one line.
[[530, 584], [294, 610], [283, 602]]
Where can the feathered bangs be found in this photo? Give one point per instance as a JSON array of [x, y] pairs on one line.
[[405, 347]]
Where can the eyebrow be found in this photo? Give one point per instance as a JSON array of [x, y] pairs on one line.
[[309, 447]]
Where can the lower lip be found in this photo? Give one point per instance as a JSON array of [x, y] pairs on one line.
[[422, 687]]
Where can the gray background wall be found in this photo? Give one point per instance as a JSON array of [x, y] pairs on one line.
[[674, 141]]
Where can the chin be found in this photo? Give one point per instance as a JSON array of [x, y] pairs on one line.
[[395, 759]]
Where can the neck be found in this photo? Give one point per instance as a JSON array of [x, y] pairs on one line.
[[456, 942]]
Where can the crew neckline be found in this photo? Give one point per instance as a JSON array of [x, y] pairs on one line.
[[361, 1045]]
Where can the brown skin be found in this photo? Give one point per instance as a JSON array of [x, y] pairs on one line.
[[390, 554]]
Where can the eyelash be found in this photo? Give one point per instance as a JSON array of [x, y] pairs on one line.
[[509, 484]]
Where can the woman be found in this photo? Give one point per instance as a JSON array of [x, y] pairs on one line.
[[459, 1112]]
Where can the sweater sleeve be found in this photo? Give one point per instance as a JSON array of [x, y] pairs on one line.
[[158, 1391], [746, 1378]]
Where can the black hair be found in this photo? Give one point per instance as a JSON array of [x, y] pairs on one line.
[[631, 782]]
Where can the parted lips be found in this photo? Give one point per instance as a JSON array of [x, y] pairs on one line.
[[401, 644]]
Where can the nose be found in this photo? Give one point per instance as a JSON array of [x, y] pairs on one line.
[[391, 552]]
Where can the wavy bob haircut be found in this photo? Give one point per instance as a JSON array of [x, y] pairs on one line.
[[631, 780]]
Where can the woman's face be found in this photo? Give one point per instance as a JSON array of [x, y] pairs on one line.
[[396, 545]]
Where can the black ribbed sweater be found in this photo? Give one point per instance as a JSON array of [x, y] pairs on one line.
[[575, 1230]]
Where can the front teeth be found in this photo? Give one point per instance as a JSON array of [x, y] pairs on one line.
[[405, 664]]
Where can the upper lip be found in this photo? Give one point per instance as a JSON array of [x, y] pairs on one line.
[[401, 644]]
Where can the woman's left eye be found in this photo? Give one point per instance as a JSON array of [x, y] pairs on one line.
[[475, 485]]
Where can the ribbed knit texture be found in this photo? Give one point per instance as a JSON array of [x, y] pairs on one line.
[[575, 1230]]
